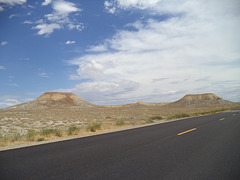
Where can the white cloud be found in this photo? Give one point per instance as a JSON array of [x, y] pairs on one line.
[[90, 69], [104, 92], [70, 42], [140, 4], [78, 26], [30, 6], [2, 68], [161, 6], [27, 22], [12, 16], [109, 6], [46, 28], [4, 43], [11, 100], [43, 74], [1, 8], [64, 7], [40, 21], [8, 102], [60, 16], [177, 51], [13, 2], [99, 48], [61, 11], [46, 2], [10, 3]]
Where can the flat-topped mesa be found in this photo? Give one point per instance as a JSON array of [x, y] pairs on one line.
[[55, 99], [57, 96], [200, 97], [61, 99], [207, 99]]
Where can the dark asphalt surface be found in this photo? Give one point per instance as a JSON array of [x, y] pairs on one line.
[[212, 151]]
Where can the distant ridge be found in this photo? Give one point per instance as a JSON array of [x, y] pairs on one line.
[[207, 99], [70, 100], [137, 105], [54, 99]]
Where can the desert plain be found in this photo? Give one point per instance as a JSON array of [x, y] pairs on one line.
[[57, 114]]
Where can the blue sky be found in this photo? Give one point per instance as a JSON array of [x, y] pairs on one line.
[[116, 51]]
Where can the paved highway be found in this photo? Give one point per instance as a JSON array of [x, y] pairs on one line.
[[198, 148]]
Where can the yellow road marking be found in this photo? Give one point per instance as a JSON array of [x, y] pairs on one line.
[[186, 131], [221, 119]]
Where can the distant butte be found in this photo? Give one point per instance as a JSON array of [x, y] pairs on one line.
[[196, 100], [54, 99]]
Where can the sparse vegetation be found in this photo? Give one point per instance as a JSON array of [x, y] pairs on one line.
[[41, 139], [149, 121], [72, 129], [156, 118], [94, 127], [152, 118], [31, 135], [178, 116], [58, 133], [49, 132], [15, 137], [212, 112], [120, 123]]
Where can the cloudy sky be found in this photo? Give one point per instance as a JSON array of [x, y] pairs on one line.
[[119, 51]]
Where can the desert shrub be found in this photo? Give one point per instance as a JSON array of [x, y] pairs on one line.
[[149, 121], [94, 127], [213, 111], [120, 123], [156, 117], [15, 137], [58, 133], [3, 138], [182, 115], [48, 132], [40, 139], [30, 136], [72, 129], [177, 116]]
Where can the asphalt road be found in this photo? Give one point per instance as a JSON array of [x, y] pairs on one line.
[[205, 147]]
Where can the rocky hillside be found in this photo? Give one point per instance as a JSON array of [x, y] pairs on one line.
[[207, 99], [54, 99]]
